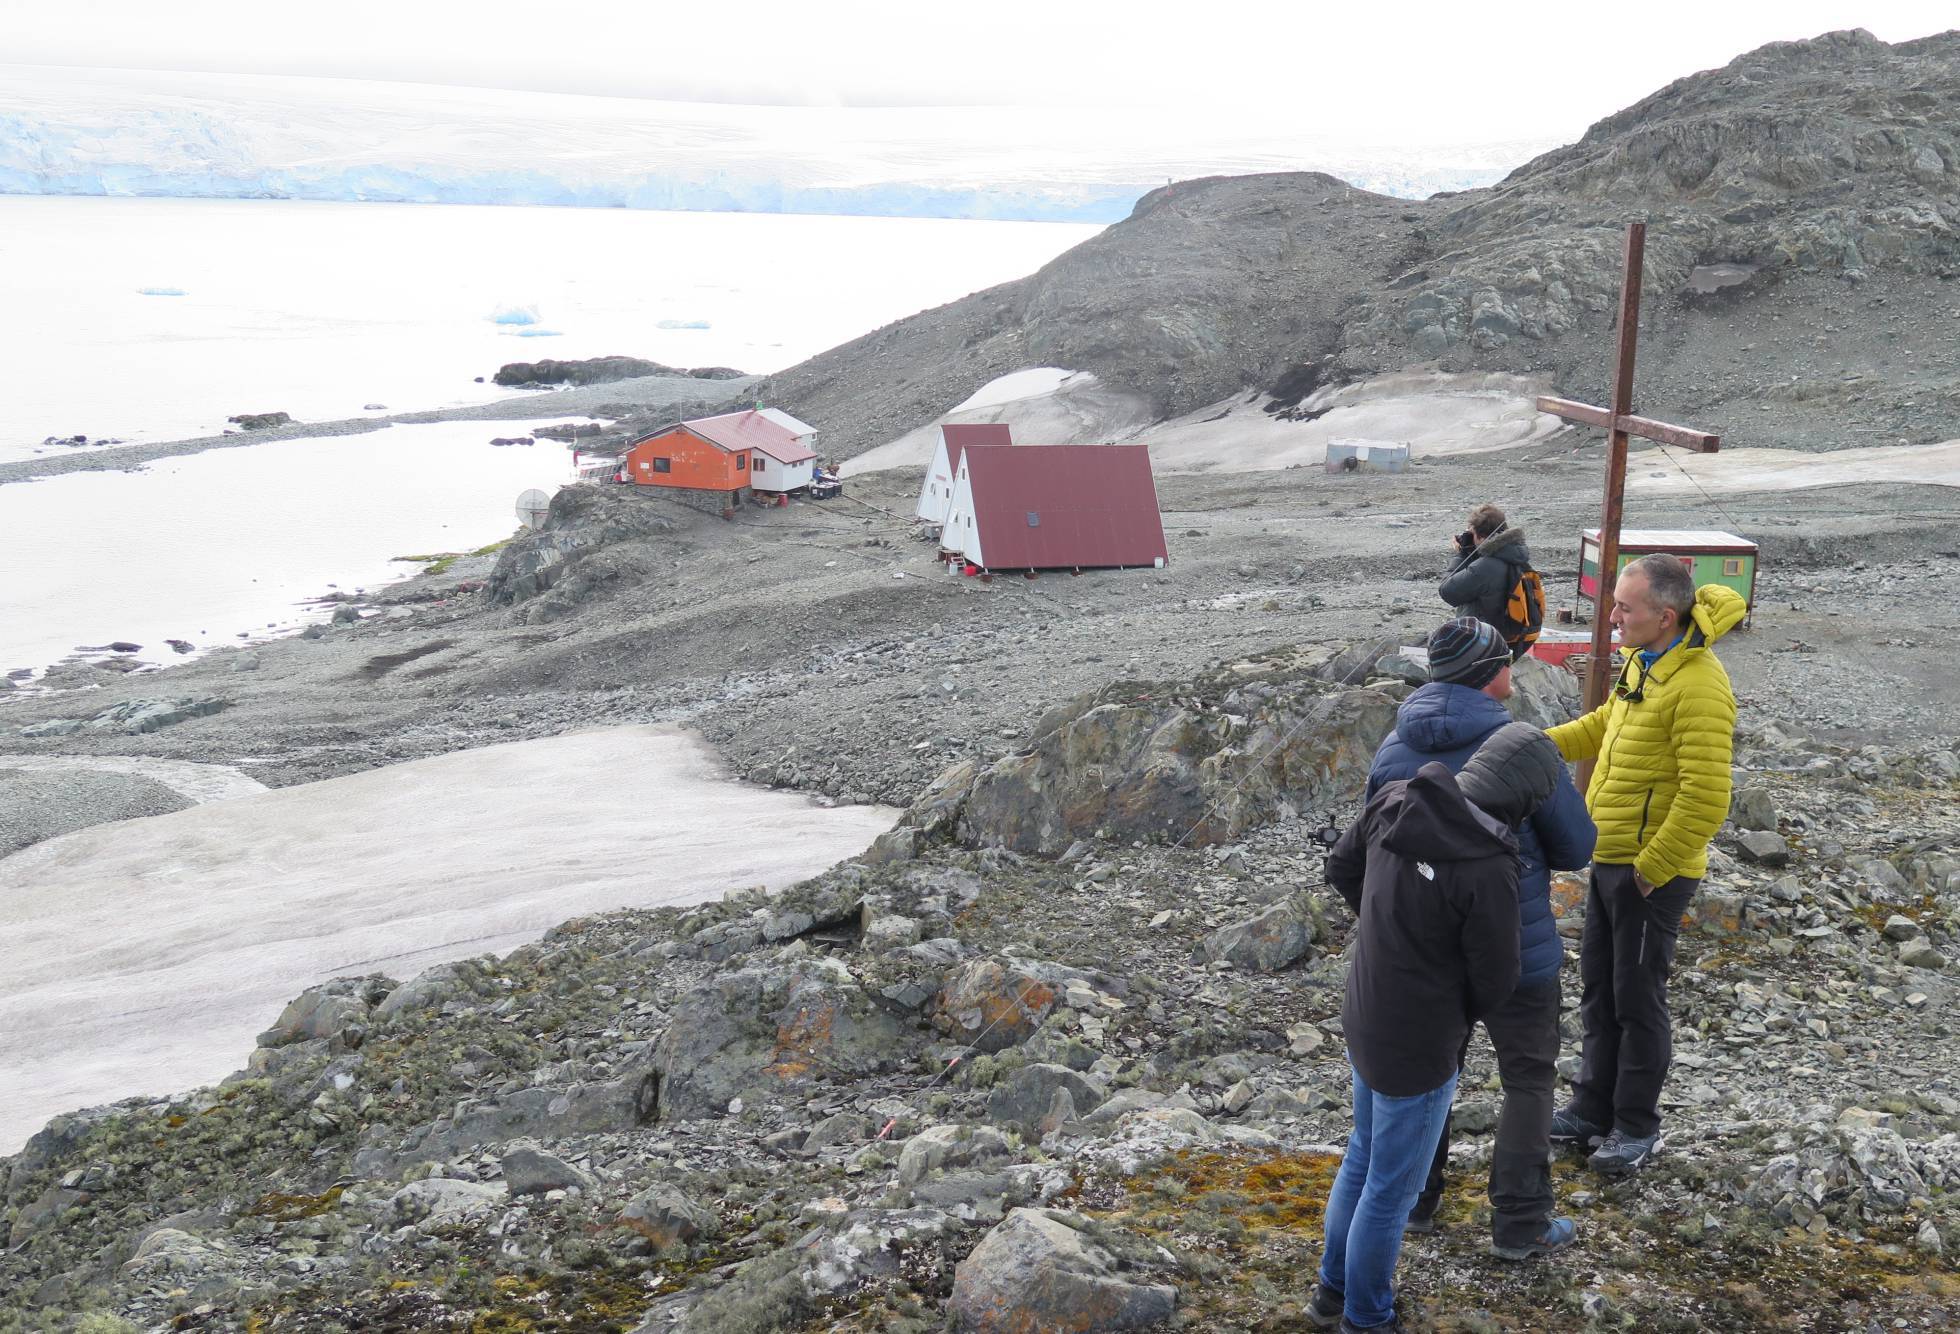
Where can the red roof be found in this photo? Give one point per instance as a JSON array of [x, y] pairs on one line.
[[736, 431], [1049, 507], [958, 437]]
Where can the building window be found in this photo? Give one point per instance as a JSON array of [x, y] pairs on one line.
[[662, 465], [1732, 566], [741, 462], [760, 463], [1034, 519]]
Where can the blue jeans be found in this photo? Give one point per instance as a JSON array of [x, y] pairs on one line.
[[1381, 1174]]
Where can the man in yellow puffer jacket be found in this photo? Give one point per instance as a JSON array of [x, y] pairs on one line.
[[1660, 791]]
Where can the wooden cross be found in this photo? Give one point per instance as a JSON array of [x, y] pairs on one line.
[[1621, 424]]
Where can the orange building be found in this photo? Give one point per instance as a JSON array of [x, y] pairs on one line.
[[690, 457]]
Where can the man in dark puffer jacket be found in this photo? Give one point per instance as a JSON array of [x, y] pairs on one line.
[[1491, 555], [1445, 722]]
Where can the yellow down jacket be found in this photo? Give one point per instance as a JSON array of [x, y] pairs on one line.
[[1663, 739]]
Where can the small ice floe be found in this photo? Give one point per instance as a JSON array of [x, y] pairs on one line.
[[535, 333], [160, 291], [683, 324], [514, 315]]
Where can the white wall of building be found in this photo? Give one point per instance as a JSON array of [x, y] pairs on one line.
[[960, 534], [936, 491], [769, 475]]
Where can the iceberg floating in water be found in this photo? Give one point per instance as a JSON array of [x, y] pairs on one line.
[[683, 324], [160, 291], [515, 315], [534, 333]]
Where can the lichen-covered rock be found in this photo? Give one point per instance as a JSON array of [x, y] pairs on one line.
[[531, 1171], [1171, 766], [941, 1147], [666, 1217], [437, 1200], [1277, 938], [996, 1003], [769, 1027], [1024, 1099], [1039, 1271], [326, 1011]]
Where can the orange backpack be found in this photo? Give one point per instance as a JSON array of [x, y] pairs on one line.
[[1524, 611]]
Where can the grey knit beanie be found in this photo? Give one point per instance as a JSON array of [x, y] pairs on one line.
[[1512, 773], [1467, 652]]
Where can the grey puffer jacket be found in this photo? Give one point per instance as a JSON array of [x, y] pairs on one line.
[[1480, 581]]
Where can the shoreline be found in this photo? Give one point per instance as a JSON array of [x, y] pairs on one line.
[[652, 392]]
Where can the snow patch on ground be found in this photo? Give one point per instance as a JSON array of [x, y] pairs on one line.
[[1043, 405], [1430, 412], [1651, 473], [144, 957]]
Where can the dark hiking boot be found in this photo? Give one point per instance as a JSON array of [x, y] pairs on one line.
[[1572, 1131], [1622, 1154], [1422, 1218], [1392, 1326], [1558, 1234], [1324, 1307]]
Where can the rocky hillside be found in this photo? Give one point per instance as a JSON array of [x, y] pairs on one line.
[[1088, 1087], [1802, 205]]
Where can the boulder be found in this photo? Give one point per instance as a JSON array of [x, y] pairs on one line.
[[1039, 1270], [531, 1171], [260, 421], [1751, 808], [1277, 938], [996, 1003], [325, 1011], [1541, 694], [666, 1217], [1026, 1098], [770, 1027], [136, 716], [1717, 912], [433, 1201], [1920, 953], [1158, 768], [1901, 928], [940, 1147], [1765, 848]]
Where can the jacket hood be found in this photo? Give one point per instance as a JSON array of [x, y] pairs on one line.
[[1718, 610], [1507, 546], [1444, 716], [1429, 819]]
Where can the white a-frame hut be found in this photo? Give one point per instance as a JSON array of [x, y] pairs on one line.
[[936, 491]]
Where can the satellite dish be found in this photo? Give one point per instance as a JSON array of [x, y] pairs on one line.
[[531, 508]]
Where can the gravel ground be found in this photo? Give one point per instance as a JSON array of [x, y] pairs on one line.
[[822, 646], [35, 805]]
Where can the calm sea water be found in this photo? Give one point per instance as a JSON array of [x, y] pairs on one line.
[[318, 309]]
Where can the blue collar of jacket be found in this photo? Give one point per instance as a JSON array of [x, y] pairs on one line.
[[1648, 657]]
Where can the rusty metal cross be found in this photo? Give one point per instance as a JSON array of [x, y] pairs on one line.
[[1620, 424]]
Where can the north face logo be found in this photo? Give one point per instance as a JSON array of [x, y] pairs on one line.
[[1425, 870]]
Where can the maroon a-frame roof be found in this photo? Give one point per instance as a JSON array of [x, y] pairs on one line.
[[1056, 507], [959, 435]]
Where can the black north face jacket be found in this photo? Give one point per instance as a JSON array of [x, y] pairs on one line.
[[1434, 882]]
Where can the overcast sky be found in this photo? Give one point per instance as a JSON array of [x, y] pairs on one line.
[[1456, 72]]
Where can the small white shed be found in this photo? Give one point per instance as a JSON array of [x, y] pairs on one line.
[[780, 465], [1366, 456], [936, 491]]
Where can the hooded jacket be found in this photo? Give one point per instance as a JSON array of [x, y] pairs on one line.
[[1433, 881], [1480, 581], [1446, 723], [1663, 739]]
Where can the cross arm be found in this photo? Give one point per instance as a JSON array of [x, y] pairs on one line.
[[1645, 427]]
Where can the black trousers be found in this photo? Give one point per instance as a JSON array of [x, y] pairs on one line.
[[1523, 1032], [1625, 955]]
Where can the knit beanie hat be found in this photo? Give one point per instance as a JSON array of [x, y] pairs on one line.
[[1512, 772], [1467, 652]]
